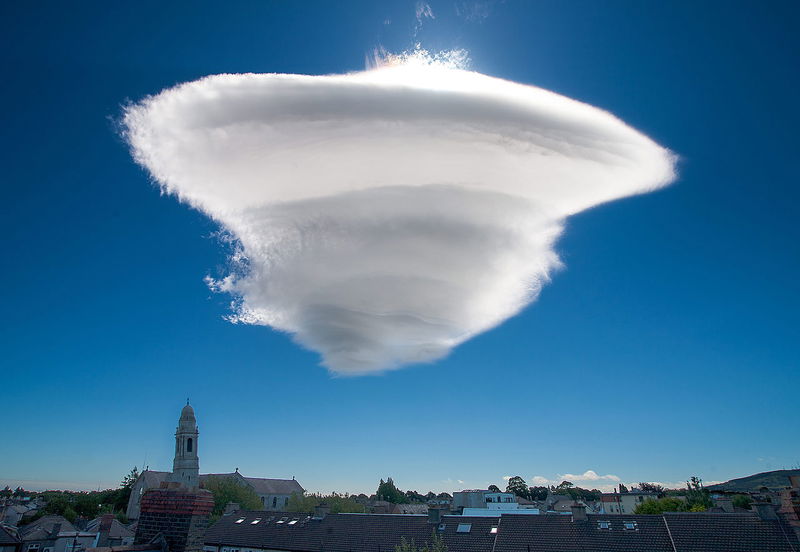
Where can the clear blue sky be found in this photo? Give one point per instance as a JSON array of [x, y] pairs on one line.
[[667, 347]]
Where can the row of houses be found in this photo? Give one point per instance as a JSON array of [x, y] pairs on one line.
[[55, 534], [259, 531]]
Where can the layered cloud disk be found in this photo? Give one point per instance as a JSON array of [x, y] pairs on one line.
[[386, 216]]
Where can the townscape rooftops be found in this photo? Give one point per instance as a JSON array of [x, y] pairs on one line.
[[43, 527], [348, 532], [117, 529]]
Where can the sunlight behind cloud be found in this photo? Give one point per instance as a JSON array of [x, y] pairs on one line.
[[384, 217]]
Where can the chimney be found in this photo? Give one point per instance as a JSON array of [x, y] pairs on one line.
[[436, 513], [230, 508], [105, 529], [578, 512], [726, 503], [321, 510], [794, 481], [765, 510], [55, 530]]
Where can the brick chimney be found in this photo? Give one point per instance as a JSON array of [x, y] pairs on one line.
[[436, 513], [321, 510], [578, 512], [105, 529], [764, 510]]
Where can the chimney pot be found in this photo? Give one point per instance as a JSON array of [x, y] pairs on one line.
[[321, 510], [578, 512]]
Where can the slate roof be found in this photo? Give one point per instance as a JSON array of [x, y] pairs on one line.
[[689, 532], [43, 527], [729, 532], [7, 538], [274, 486], [347, 532], [117, 529]]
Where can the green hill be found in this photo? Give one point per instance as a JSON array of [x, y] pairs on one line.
[[777, 479]]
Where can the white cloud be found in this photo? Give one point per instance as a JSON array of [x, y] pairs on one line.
[[588, 475], [538, 480], [384, 217], [506, 477], [423, 11]]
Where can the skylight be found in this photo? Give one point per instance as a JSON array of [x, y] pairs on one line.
[[239, 520], [255, 521], [282, 520], [493, 530], [604, 525], [464, 528], [295, 520], [630, 525]]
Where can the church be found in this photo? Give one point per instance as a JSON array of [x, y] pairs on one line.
[[274, 493]]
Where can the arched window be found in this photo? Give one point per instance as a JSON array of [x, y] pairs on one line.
[[189, 445]]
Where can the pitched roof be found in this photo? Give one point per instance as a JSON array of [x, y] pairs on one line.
[[688, 532], [274, 486], [7, 538], [347, 532], [117, 529], [729, 532], [43, 527]]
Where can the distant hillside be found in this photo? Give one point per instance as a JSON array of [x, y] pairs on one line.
[[771, 479]]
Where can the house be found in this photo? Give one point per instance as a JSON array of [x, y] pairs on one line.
[[12, 513], [624, 502], [673, 532], [54, 534], [9, 541], [282, 532], [258, 531], [482, 498]]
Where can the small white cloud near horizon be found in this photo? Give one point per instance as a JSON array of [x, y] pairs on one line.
[[382, 218]]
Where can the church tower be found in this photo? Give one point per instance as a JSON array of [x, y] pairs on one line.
[[186, 466]]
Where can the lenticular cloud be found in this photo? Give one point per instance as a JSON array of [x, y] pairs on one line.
[[384, 217]]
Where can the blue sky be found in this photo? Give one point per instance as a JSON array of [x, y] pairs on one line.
[[667, 346]]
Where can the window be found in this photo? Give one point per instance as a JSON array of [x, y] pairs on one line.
[[286, 501], [493, 530], [630, 526], [464, 528], [604, 525], [239, 520], [34, 546], [255, 521], [274, 501], [189, 445]]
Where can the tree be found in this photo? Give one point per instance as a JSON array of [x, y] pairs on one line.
[[86, 505], [494, 488], [390, 493], [623, 488], [339, 504], [436, 545], [7, 492], [537, 493], [227, 489], [698, 499], [651, 488], [742, 501], [517, 486], [659, 506]]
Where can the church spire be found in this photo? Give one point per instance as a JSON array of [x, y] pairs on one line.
[[186, 466]]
